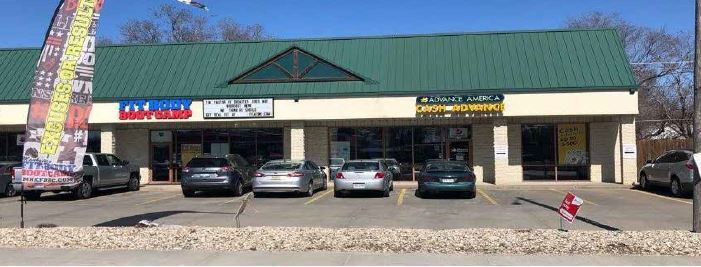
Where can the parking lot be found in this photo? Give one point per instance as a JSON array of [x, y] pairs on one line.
[[605, 208]]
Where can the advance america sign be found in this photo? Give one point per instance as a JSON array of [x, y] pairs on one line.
[[459, 104]]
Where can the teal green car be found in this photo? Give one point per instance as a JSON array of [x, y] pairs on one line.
[[439, 176]]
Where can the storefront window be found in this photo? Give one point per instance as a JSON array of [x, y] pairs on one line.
[[243, 142], [410, 146], [269, 145], [10, 149], [94, 142], [368, 143], [255, 145], [554, 152], [398, 146]]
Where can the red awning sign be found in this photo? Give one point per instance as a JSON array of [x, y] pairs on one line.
[[570, 206]]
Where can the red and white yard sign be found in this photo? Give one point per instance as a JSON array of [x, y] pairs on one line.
[[570, 206]]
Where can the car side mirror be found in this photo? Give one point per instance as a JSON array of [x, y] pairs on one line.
[[322, 168], [649, 161]]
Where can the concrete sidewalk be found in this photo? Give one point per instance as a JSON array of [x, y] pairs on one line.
[[14, 256]]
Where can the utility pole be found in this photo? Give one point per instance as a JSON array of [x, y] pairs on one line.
[[696, 220]]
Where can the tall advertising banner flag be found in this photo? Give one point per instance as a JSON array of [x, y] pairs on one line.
[[57, 124]]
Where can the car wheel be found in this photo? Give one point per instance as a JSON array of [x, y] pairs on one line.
[[83, 190], [470, 194], [10, 190], [391, 185], [188, 192], [310, 191], [32, 195], [644, 185], [238, 189], [385, 193], [337, 193], [675, 187], [133, 184]]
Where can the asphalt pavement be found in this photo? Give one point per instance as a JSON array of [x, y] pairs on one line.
[[607, 207]]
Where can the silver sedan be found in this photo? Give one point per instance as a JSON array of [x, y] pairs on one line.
[[297, 176], [371, 175]]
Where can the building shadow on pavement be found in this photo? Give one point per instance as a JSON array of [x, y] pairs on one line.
[[151, 216], [583, 219]]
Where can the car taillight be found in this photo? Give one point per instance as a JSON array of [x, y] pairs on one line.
[[295, 174], [380, 175], [259, 174], [186, 170], [339, 175], [689, 165]]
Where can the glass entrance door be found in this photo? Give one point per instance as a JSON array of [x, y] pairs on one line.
[[161, 165], [459, 151]]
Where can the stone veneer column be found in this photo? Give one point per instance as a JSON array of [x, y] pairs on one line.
[[286, 143], [483, 152], [133, 145], [628, 165], [603, 154], [507, 170], [316, 145], [107, 142], [297, 148]]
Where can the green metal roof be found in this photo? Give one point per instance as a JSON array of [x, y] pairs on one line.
[[521, 61]]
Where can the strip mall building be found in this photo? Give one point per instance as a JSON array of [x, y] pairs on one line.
[[554, 105]]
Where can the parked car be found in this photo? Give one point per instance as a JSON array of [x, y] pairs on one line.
[[99, 171], [673, 169], [393, 166], [217, 173], [298, 176], [446, 176], [335, 164], [363, 175], [7, 174]]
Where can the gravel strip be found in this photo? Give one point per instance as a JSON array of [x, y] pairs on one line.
[[458, 241]]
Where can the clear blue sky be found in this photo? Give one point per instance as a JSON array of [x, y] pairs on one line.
[[24, 22]]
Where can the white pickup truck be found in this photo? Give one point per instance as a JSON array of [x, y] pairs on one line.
[[99, 171]]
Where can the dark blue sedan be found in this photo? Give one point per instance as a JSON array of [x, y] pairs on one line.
[[446, 176]]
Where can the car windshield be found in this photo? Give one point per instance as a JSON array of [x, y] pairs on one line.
[[336, 161], [281, 166], [207, 163], [361, 166], [446, 167]]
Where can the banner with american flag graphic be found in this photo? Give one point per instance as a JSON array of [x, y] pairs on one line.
[[61, 97]]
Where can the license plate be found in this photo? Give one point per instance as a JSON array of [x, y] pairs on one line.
[[203, 175], [448, 180], [358, 186]]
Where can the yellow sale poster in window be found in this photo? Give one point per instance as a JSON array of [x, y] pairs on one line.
[[572, 144]]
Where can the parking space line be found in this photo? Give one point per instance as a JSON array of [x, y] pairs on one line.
[[565, 193], [158, 199], [318, 197], [486, 196], [400, 200], [663, 197]]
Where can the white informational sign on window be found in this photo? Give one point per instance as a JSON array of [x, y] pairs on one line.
[[501, 151], [238, 108], [630, 151]]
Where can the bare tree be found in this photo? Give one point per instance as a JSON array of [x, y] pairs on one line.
[[229, 30], [102, 40], [176, 24], [662, 67], [141, 32]]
